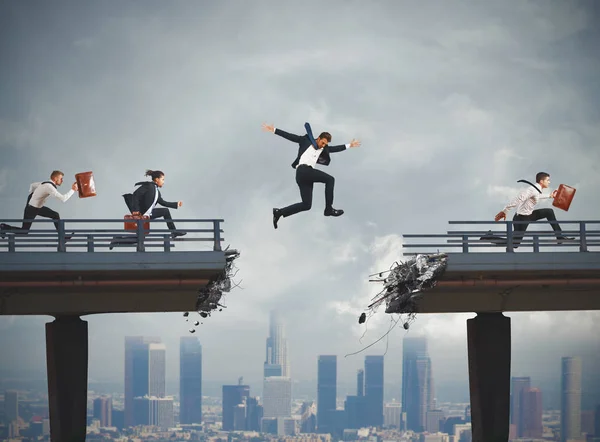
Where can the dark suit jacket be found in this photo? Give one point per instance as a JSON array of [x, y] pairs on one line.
[[304, 143], [143, 197]]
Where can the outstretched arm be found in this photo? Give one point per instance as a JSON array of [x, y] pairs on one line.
[[55, 193], [341, 147], [288, 136]]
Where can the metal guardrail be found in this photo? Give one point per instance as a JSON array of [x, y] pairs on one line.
[[583, 237], [68, 237]]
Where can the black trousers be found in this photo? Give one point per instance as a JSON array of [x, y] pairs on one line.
[[306, 177], [31, 213], [163, 212], [519, 229]]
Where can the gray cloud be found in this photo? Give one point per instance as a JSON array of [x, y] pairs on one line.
[[453, 104]]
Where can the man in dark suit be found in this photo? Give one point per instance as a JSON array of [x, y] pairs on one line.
[[310, 153], [146, 197]]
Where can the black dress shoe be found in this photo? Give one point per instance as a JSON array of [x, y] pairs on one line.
[[276, 216], [333, 212], [176, 233], [562, 239], [3, 229]]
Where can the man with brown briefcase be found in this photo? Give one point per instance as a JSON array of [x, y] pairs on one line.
[[525, 203]]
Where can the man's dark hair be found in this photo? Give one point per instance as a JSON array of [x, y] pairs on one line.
[[56, 173], [326, 135], [541, 176], [154, 174]]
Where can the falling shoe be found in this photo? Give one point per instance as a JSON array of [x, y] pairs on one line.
[[333, 212], [276, 216]]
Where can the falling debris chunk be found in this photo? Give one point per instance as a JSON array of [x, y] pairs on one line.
[[363, 318], [210, 296], [186, 314], [405, 283], [192, 330]]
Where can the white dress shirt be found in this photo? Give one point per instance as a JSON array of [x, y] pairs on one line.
[[149, 211], [526, 200], [41, 192]]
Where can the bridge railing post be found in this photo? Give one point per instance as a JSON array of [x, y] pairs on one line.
[[167, 242], [217, 235], [582, 237], [11, 243], [90, 243], [140, 235], [62, 246], [465, 243], [536, 243], [509, 237]]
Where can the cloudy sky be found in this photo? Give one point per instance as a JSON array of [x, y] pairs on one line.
[[453, 102]]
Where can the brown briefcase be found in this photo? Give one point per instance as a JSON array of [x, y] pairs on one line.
[[85, 182], [563, 197], [130, 223]]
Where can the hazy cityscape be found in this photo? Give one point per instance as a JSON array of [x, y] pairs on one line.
[[282, 409]]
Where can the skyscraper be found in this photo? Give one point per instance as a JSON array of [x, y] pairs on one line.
[[233, 396], [276, 363], [519, 385], [326, 392], [103, 410], [360, 382], [570, 416], [11, 406], [136, 371], [374, 390], [190, 380], [531, 413], [417, 382], [277, 397], [157, 365]]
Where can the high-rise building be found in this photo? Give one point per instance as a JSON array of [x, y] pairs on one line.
[[102, 410], [519, 385], [136, 372], [190, 380], [326, 392], [531, 413], [570, 416], [360, 382], [434, 420], [308, 417], [254, 414], [597, 421], [374, 390], [391, 415], [155, 411], [157, 366], [276, 362], [11, 406], [277, 397], [233, 396], [417, 382]]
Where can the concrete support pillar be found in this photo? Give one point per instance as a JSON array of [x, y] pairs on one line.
[[67, 365], [488, 336]]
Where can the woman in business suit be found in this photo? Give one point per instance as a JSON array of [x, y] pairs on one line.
[[146, 197]]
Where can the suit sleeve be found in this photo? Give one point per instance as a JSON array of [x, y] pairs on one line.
[[288, 136], [168, 204], [334, 149]]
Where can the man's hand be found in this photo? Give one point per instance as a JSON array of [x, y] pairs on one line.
[[553, 194], [354, 143], [268, 127], [136, 213], [75, 187], [179, 203], [499, 216]]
